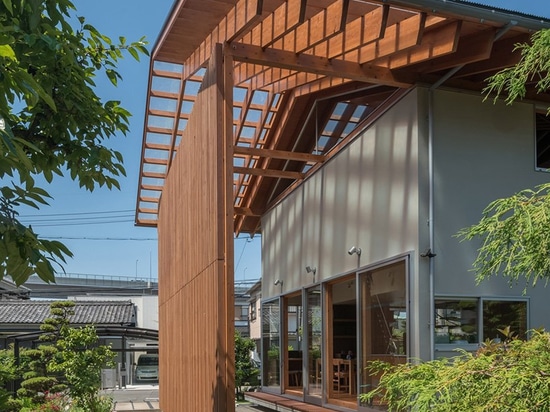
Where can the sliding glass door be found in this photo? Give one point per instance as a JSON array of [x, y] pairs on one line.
[[293, 342], [271, 345], [314, 339], [383, 319]]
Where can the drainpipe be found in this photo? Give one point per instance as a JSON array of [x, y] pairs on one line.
[[430, 253], [431, 216]]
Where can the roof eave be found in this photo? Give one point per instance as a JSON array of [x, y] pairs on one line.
[[477, 11]]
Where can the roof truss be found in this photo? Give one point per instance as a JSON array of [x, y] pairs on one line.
[[308, 74]]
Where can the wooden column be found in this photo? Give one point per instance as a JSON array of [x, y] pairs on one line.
[[195, 228]]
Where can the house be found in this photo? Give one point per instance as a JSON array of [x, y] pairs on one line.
[[23, 317], [255, 314], [354, 137]]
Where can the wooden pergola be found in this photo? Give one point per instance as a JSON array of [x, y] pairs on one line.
[[305, 73], [246, 98]]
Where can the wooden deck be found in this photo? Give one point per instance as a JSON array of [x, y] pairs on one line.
[[280, 403]]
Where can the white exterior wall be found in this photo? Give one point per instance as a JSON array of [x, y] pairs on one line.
[[482, 152], [147, 308], [366, 196], [374, 195]]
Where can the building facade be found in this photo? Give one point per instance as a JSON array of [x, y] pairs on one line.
[[353, 135], [378, 223]]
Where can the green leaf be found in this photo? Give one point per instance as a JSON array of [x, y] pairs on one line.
[[8, 5], [6, 51]]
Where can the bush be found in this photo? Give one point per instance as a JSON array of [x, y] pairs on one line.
[[511, 376]]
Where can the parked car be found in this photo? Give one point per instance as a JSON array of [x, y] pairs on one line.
[[147, 367]]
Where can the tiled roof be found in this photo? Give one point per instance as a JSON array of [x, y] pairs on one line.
[[97, 312]]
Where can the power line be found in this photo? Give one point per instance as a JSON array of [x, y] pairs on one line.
[[76, 223], [78, 213]]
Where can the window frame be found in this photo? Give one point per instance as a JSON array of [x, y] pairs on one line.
[[480, 318], [540, 113]]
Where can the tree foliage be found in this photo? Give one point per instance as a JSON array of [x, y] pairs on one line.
[[515, 237], [70, 359], [512, 376], [52, 122], [533, 67], [246, 373]]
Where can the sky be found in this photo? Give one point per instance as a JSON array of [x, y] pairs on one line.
[[99, 227]]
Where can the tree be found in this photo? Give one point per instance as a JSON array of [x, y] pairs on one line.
[[70, 359], [245, 370], [80, 359], [52, 123], [516, 237], [533, 67]]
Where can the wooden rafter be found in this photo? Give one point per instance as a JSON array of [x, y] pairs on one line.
[[315, 64], [279, 154], [300, 53], [279, 174]]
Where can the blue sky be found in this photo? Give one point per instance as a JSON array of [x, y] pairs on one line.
[[540, 8], [118, 248]]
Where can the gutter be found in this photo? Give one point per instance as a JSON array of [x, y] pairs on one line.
[[476, 11]]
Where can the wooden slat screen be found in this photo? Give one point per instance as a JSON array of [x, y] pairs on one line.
[[196, 259]]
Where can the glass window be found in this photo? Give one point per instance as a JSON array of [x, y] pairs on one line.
[[383, 319], [253, 310], [456, 321], [314, 322], [271, 320], [497, 315], [543, 141]]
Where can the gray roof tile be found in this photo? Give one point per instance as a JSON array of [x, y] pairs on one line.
[[92, 312]]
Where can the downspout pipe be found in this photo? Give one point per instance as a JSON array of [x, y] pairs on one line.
[[430, 254]]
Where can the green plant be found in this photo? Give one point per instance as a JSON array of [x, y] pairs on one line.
[[315, 352], [68, 363], [513, 375], [52, 123], [245, 371], [273, 352]]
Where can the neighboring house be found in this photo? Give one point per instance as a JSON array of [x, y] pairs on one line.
[[242, 323], [255, 314], [354, 137], [10, 291], [26, 316]]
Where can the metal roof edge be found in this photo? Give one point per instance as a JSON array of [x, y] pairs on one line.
[[479, 11], [166, 27]]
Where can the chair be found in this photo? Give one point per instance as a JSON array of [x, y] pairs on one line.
[[341, 375]]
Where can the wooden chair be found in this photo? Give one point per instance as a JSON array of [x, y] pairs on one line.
[[341, 375]]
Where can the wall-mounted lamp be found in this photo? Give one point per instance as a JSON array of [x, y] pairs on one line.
[[279, 282], [311, 270], [354, 249]]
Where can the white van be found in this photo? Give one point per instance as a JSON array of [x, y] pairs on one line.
[[147, 367]]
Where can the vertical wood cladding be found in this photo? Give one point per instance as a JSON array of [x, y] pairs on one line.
[[196, 259]]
